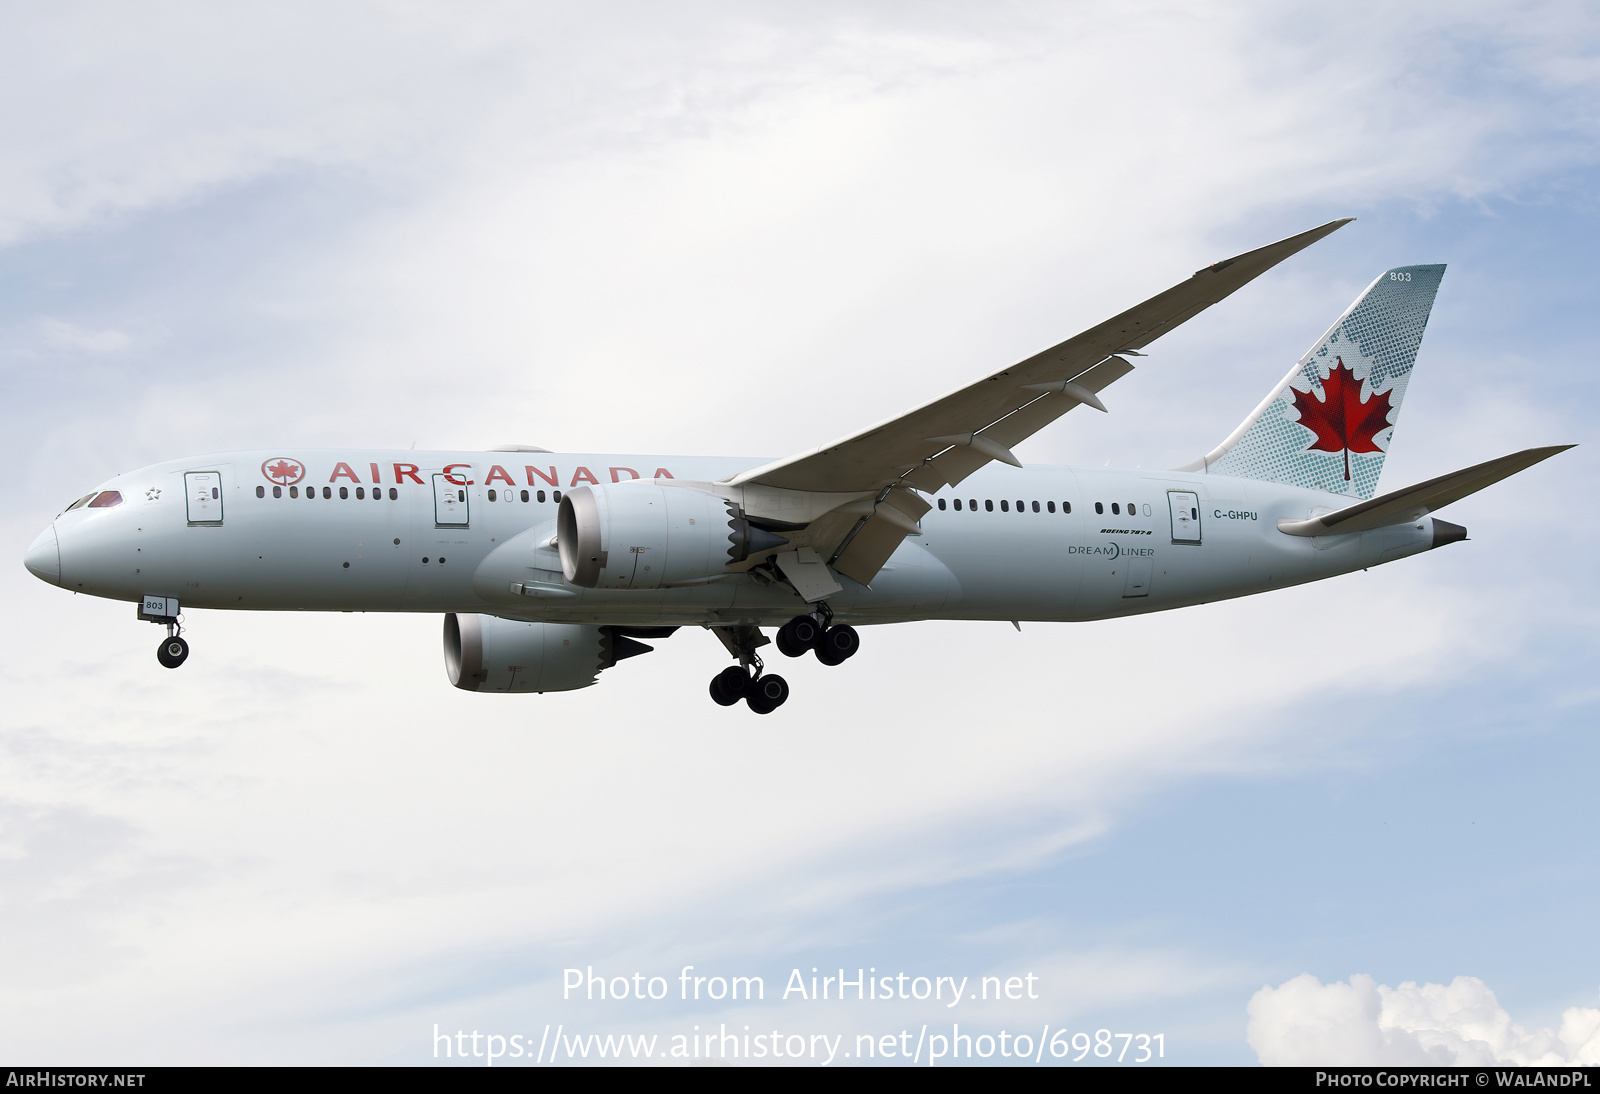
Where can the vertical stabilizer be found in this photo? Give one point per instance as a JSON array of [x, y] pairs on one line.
[[1328, 425]]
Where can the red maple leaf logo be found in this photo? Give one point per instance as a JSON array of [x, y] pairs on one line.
[[1341, 421], [284, 471]]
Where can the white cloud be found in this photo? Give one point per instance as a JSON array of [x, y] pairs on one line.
[[69, 337], [1304, 1022]]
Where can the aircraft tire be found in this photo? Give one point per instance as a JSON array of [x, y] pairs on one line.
[[729, 686], [798, 636], [172, 652], [767, 694], [838, 645]]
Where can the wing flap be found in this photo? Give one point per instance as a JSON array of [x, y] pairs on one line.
[[864, 550]]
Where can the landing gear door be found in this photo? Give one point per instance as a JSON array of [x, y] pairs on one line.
[[449, 503], [1185, 508], [203, 492]]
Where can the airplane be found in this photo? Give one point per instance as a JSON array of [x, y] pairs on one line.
[[550, 568]]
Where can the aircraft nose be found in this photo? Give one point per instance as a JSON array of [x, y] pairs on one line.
[[43, 559]]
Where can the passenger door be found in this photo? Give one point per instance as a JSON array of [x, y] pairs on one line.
[[1185, 508], [450, 506], [203, 496]]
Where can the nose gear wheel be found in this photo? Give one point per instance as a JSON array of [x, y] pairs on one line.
[[172, 652]]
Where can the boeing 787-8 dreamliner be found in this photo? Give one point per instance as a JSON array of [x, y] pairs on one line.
[[552, 567]]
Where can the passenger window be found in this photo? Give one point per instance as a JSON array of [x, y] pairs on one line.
[[1035, 507], [106, 500], [327, 493], [988, 505], [394, 495], [277, 491], [492, 496], [261, 491], [1115, 511], [1098, 508], [972, 503], [958, 505], [1020, 507], [1133, 507], [1050, 505], [556, 496], [524, 495], [344, 493], [361, 493], [941, 504], [540, 496], [1066, 507], [1005, 506], [294, 491]]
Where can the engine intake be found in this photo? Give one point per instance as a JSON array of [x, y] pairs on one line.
[[637, 535]]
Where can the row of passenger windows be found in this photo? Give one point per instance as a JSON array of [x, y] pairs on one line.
[[508, 495], [327, 492], [377, 494], [1005, 505], [1049, 506], [555, 496]]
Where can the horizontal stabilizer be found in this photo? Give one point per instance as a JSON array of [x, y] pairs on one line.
[[1416, 502]]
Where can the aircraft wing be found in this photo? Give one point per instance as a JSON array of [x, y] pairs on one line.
[[944, 441], [1416, 502]]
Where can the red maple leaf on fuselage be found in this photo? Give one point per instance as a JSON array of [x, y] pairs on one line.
[[1341, 421], [283, 471]]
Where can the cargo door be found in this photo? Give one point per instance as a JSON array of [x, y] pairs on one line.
[[449, 503], [203, 494], [1185, 508]]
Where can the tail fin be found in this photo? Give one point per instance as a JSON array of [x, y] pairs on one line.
[[1328, 425]]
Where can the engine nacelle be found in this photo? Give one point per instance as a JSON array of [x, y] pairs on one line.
[[487, 653], [637, 535]]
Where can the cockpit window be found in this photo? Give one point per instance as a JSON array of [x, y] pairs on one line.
[[81, 502], [106, 500]]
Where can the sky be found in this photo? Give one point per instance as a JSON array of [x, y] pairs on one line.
[[1365, 834]]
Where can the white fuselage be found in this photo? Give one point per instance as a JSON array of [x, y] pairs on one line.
[[364, 531]]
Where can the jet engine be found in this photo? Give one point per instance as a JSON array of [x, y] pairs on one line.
[[487, 653], [637, 535]]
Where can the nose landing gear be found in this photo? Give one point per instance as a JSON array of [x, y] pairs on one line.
[[173, 650]]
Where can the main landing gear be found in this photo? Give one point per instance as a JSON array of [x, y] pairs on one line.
[[812, 634], [761, 692], [765, 692]]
